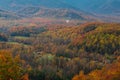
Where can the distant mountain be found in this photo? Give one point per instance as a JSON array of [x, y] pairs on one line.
[[17, 4], [44, 8], [8, 15], [94, 6], [54, 13], [69, 9], [111, 7]]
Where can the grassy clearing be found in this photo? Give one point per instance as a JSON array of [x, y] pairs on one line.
[[21, 37]]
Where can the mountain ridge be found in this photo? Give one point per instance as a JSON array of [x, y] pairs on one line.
[[54, 13], [8, 15], [94, 8]]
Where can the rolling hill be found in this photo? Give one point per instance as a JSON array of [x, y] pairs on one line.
[[106, 10], [101, 6], [54, 13], [42, 8], [16, 4], [95, 6], [112, 7], [8, 15]]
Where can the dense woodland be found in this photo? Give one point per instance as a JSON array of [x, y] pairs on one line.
[[90, 51]]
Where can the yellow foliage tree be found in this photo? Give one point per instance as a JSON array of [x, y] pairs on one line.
[[109, 72], [10, 67]]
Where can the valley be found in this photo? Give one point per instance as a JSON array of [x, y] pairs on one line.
[[59, 40], [59, 52]]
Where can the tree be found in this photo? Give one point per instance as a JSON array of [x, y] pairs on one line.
[[109, 72], [10, 67]]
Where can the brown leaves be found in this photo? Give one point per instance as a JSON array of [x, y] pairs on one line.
[[109, 72]]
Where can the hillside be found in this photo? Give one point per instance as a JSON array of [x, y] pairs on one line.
[[90, 10], [59, 40], [8, 15], [9, 4], [112, 7], [95, 6], [59, 52], [55, 13], [101, 6]]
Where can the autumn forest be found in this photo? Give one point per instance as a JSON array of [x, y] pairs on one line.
[[58, 40], [89, 51]]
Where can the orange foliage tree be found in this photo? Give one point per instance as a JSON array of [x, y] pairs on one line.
[[10, 67], [109, 72]]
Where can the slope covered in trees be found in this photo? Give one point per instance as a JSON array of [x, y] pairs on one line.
[[59, 52], [109, 72]]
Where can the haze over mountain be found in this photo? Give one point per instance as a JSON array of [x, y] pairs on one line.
[[99, 6], [42, 8], [62, 8], [8, 15], [15, 4], [54, 13]]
